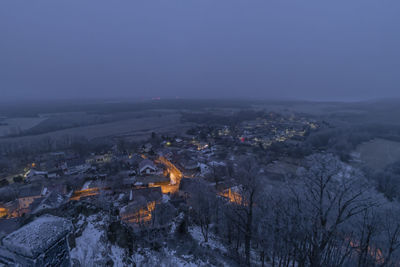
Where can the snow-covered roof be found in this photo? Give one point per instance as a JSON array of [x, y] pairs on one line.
[[146, 163], [51, 201], [37, 236]]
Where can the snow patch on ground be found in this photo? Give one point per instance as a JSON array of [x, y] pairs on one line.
[[88, 247], [165, 258], [117, 255], [92, 247], [212, 243], [174, 223]]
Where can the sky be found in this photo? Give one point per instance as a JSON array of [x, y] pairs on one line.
[[257, 49]]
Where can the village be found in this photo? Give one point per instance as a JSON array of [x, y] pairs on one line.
[[138, 183], [134, 182], [140, 195]]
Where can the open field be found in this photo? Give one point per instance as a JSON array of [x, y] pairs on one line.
[[16, 125], [39, 118], [379, 153], [136, 128]]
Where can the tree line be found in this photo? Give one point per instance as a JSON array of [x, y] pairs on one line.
[[329, 215]]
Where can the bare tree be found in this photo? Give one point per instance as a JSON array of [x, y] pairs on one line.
[[331, 193], [243, 199], [391, 236], [203, 201], [368, 228]]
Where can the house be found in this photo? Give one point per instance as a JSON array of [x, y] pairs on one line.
[[147, 147], [77, 169], [55, 173], [51, 201], [33, 174], [165, 152], [27, 195], [149, 194], [189, 167], [141, 204], [206, 169], [147, 167], [43, 242], [137, 212], [99, 159]]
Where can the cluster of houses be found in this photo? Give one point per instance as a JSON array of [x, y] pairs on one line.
[[265, 131], [55, 178], [58, 164], [135, 182]]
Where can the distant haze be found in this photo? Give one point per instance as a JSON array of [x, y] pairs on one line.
[[313, 49]]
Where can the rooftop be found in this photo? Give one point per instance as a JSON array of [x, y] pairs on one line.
[[37, 236], [146, 162]]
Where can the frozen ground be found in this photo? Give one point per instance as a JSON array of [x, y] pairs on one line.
[[165, 258], [212, 243], [92, 247]]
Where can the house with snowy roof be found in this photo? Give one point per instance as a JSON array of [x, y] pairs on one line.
[[147, 167], [27, 195], [142, 203], [51, 201], [43, 242], [34, 175]]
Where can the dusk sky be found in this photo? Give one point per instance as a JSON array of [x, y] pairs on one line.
[[312, 49]]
